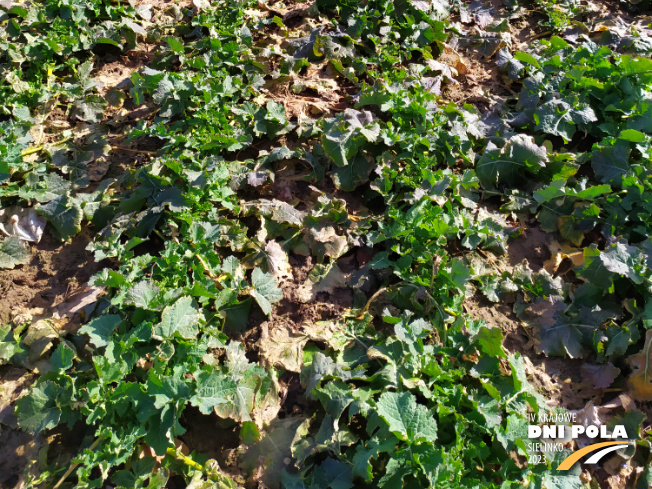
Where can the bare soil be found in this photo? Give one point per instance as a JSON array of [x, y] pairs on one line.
[[213, 437], [56, 272], [532, 246], [17, 450]]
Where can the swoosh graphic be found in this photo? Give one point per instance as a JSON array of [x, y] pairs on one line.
[[574, 457], [595, 458]]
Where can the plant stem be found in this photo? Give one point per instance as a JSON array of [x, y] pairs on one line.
[[186, 460], [74, 466], [38, 149]]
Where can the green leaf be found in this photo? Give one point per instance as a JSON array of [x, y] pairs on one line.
[[227, 397], [249, 433], [43, 187], [212, 388], [505, 165], [320, 366], [515, 434], [160, 430], [167, 389], [491, 411], [89, 109], [490, 341], [143, 294], [351, 176], [62, 357], [106, 40], [345, 134], [333, 474], [557, 334], [551, 479], [294, 480], [362, 466], [38, 411], [175, 44], [182, 318], [408, 420], [631, 135], [527, 58], [560, 330], [265, 290], [64, 214], [610, 160], [509, 64], [236, 316], [620, 338], [13, 252], [164, 90], [617, 258], [101, 329], [275, 112], [5, 169], [625, 260], [8, 345], [398, 467], [335, 397], [560, 118], [593, 270]]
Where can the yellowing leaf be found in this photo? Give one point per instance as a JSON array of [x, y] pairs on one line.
[[278, 261], [640, 382], [558, 252], [279, 347], [265, 290], [322, 278]]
